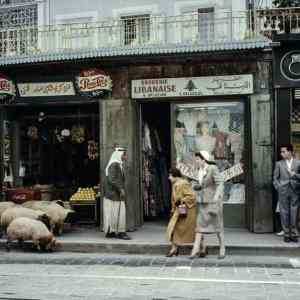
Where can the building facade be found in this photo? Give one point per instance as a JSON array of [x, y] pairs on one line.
[[186, 76]]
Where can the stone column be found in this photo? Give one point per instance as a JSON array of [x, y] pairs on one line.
[[118, 128]]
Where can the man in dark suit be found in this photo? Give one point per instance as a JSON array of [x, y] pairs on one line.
[[286, 180]]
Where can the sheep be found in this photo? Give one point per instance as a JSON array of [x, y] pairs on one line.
[[25, 229], [57, 216], [5, 205], [56, 213], [18, 211], [34, 204]]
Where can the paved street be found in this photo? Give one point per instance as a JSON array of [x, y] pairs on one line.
[[35, 276]]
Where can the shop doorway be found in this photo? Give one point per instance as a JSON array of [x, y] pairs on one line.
[[155, 160], [58, 147]]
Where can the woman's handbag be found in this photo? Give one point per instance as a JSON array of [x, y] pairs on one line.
[[182, 209]]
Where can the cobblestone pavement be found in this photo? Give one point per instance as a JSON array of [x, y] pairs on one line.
[[34, 276]]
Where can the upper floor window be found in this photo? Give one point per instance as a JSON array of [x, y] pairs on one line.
[[206, 23], [136, 29]]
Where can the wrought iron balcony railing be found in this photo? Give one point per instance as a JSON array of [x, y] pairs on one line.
[[130, 32], [278, 20]]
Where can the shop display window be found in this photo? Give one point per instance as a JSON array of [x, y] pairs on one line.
[[217, 127], [61, 151]]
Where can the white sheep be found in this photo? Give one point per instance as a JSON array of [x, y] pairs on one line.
[[56, 213], [26, 229], [18, 211], [34, 204], [4, 206]]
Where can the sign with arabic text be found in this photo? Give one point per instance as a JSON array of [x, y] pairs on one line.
[[191, 173], [46, 89], [192, 86]]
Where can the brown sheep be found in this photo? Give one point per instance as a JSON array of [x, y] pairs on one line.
[[26, 229]]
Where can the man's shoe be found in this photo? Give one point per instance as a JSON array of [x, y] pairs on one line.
[[110, 235], [286, 239], [294, 239], [124, 236], [281, 233]]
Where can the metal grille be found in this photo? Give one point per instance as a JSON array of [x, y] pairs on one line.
[[136, 29], [297, 94], [18, 16], [18, 27], [7, 3]]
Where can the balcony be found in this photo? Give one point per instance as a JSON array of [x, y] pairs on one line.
[[278, 20], [131, 36]]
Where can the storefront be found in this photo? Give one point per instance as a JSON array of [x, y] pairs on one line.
[[51, 129], [181, 116], [286, 78], [286, 64], [163, 110]]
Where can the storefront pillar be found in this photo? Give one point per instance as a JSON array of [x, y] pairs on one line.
[[117, 128], [283, 115], [260, 206]]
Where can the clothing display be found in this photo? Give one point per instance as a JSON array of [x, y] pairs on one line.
[[205, 142], [236, 146], [156, 190], [220, 148], [218, 129], [237, 193]]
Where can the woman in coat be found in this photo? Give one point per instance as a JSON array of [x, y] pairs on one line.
[[114, 208], [209, 204], [181, 228]]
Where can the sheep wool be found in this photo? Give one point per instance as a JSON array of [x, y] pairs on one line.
[[18, 211], [5, 205], [26, 229], [56, 213]]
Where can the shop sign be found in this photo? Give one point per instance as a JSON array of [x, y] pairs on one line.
[[192, 86], [93, 83], [46, 89], [7, 88], [290, 66], [226, 175]]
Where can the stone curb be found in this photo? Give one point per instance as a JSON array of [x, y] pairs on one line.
[[210, 261], [161, 249]]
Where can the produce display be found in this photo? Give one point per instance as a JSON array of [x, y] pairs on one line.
[[84, 194]]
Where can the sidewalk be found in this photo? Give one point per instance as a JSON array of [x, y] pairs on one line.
[[150, 239]]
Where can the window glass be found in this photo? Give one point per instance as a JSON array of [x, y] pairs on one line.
[[217, 128], [136, 29], [206, 24]]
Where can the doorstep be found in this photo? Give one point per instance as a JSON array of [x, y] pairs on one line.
[[150, 239]]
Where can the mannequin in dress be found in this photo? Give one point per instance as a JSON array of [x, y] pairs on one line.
[[203, 140]]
